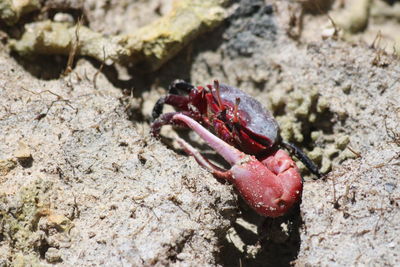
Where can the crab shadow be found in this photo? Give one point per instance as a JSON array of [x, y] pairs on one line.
[[276, 241]]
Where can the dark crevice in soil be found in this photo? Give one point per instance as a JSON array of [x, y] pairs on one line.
[[45, 67], [178, 247], [42, 249]]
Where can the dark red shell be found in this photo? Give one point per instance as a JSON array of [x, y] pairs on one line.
[[228, 112], [256, 117]]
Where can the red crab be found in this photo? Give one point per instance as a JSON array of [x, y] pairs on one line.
[[248, 139]]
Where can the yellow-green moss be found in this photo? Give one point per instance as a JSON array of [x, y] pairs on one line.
[[6, 166], [299, 108], [23, 260], [19, 223], [355, 17], [149, 47], [11, 11]]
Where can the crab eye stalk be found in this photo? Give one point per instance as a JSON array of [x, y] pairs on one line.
[[236, 110], [219, 100]]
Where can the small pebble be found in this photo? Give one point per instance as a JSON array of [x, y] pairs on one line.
[[346, 88], [23, 151], [53, 255], [389, 187], [63, 17]]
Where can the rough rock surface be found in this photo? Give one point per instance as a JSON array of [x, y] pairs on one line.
[[95, 189], [83, 183]]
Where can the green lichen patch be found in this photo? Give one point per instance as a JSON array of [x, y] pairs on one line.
[[11, 11], [306, 120], [355, 17], [6, 166], [19, 217], [150, 47]]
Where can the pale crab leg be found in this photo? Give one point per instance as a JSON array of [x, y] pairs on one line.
[[164, 119], [229, 153], [215, 170]]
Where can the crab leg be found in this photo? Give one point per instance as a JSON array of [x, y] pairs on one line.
[[229, 153], [205, 163], [173, 98], [176, 100], [165, 119], [303, 158]]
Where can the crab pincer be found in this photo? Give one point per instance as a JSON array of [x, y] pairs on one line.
[[270, 186]]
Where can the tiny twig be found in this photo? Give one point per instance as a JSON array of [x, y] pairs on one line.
[[391, 133], [379, 218], [59, 99], [74, 48], [147, 207], [100, 69], [335, 200], [354, 152], [377, 40], [386, 163]]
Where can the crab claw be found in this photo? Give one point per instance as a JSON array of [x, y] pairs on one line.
[[271, 187]]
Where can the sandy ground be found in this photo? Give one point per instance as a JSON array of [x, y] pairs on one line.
[[83, 183]]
